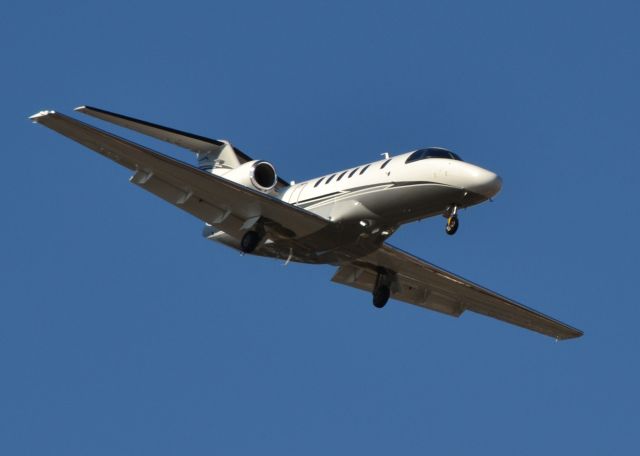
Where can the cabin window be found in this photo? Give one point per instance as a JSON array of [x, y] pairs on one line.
[[353, 172], [385, 163], [331, 177], [341, 176], [364, 169], [319, 180]]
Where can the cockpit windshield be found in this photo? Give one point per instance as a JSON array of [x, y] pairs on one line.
[[432, 152]]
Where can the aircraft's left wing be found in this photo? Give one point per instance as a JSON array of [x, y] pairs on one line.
[[417, 282], [211, 198]]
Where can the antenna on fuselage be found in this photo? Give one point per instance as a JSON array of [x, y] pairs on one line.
[[385, 155]]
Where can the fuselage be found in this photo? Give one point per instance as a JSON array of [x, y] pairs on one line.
[[371, 201], [396, 190]]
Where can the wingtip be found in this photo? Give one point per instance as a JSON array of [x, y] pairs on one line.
[[80, 108], [575, 334], [40, 114]]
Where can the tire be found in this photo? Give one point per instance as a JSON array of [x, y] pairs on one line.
[[381, 296], [452, 226], [249, 241]]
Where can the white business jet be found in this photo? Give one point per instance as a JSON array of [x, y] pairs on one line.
[[342, 219]]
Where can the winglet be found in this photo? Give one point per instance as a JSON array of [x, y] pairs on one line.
[[40, 114]]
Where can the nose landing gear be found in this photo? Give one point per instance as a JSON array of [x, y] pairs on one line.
[[452, 220], [452, 225]]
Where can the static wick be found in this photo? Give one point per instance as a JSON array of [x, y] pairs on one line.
[[289, 257]]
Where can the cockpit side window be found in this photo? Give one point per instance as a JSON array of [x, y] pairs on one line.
[[417, 155]]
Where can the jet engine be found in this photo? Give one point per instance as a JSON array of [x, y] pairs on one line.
[[257, 174]]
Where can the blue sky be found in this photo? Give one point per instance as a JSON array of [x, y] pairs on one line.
[[122, 331]]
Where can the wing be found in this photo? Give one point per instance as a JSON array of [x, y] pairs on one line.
[[183, 139], [417, 282], [211, 198], [190, 141]]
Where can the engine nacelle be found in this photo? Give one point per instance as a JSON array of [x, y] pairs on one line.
[[257, 174]]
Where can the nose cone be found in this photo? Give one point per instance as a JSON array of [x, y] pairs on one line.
[[484, 182]]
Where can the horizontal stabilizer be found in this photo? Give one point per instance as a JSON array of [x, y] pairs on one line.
[[183, 139], [208, 149]]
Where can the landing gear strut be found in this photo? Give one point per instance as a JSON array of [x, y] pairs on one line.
[[381, 290], [250, 241], [452, 220]]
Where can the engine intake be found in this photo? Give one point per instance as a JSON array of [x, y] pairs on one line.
[[263, 176], [257, 174]]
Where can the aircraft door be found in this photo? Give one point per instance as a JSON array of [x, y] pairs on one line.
[[295, 196]]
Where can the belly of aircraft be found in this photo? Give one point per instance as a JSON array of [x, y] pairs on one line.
[[383, 208], [392, 204]]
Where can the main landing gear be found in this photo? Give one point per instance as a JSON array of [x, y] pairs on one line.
[[452, 220], [250, 241], [381, 290]]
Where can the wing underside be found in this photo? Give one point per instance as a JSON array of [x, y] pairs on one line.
[[417, 282], [213, 199]]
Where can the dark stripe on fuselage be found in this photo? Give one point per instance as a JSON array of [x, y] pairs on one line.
[[346, 192], [319, 198]]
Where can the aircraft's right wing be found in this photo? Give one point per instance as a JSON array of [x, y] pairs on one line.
[[211, 198], [195, 143], [190, 141], [417, 282]]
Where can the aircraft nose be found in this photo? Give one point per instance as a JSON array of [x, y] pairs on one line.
[[484, 182]]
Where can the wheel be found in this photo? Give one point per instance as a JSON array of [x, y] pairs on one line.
[[452, 225], [249, 241], [381, 296]]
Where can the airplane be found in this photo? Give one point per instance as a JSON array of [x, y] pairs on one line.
[[343, 218]]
